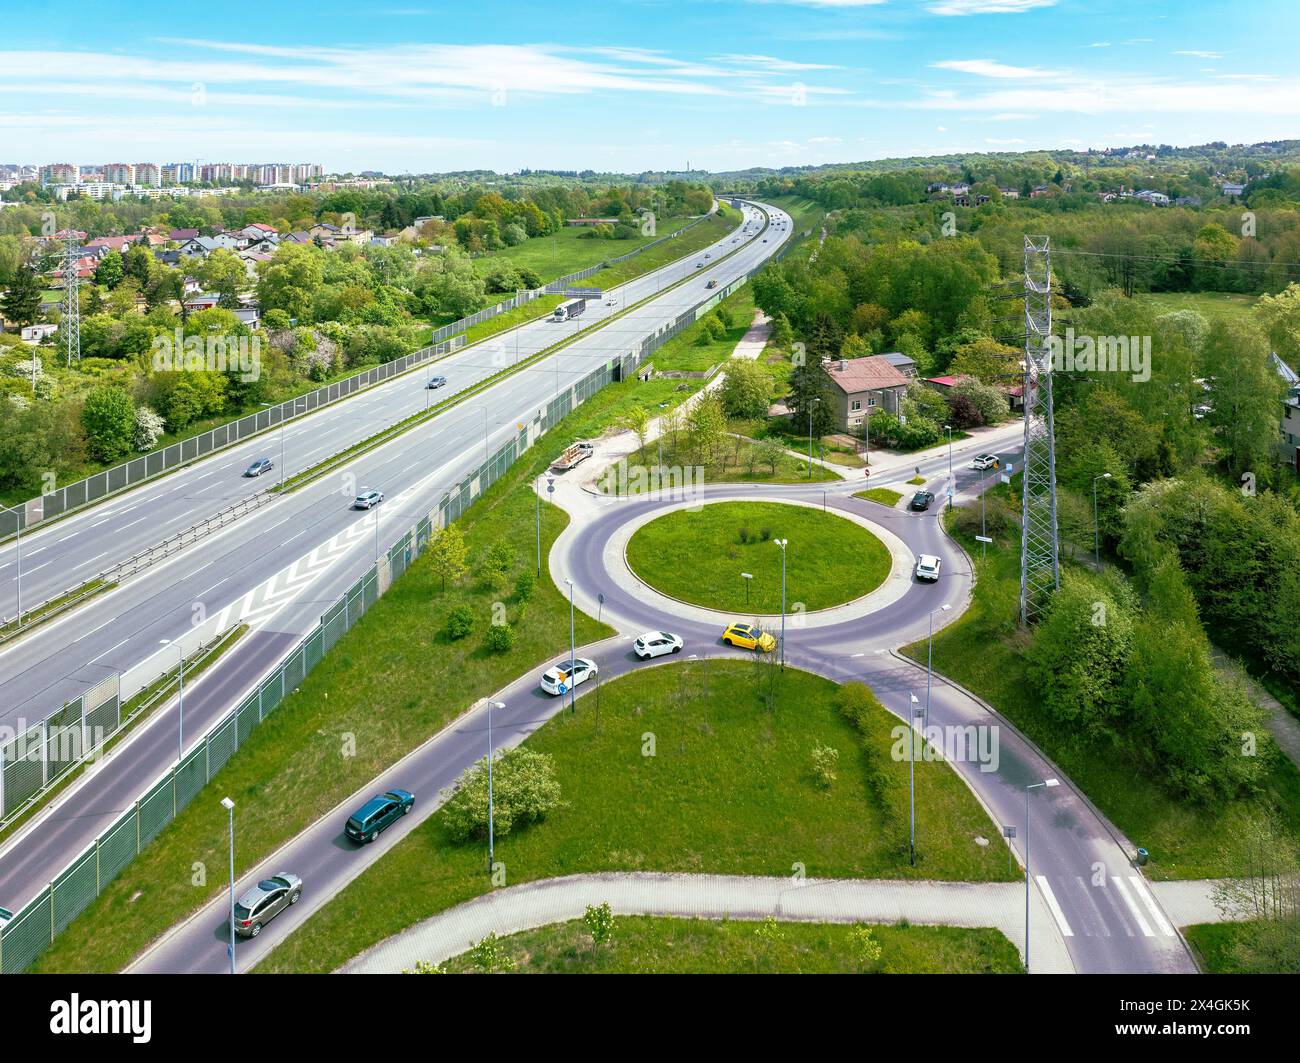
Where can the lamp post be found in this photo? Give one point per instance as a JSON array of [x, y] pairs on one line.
[[1096, 528], [782, 544], [18, 556], [229, 806], [914, 714], [573, 648], [375, 507], [1031, 786], [747, 577], [810, 419], [491, 840], [295, 407], [948, 428], [180, 699], [929, 664]]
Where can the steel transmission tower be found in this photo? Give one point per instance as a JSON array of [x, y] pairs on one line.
[[70, 322], [1040, 547]]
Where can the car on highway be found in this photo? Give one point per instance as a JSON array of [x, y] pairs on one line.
[[260, 466], [921, 500], [611, 302], [712, 284], [436, 382], [567, 675], [707, 255], [367, 499], [748, 637], [656, 644], [982, 462], [927, 568], [699, 265], [378, 814], [265, 901]]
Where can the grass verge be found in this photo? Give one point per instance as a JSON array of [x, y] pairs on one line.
[[699, 556], [704, 802], [883, 495], [644, 944]]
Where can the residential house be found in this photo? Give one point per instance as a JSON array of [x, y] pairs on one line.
[[1232, 189], [349, 235], [36, 333], [901, 362], [203, 246], [862, 387], [1009, 193], [1290, 411], [257, 231], [179, 236], [1148, 195], [252, 259]]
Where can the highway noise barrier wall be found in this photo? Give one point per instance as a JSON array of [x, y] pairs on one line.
[[33, 929], [444, 340]]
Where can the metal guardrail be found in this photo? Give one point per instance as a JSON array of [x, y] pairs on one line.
[[121, 570], [33, 929]]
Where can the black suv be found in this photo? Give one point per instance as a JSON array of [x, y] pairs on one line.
[[921, 500]]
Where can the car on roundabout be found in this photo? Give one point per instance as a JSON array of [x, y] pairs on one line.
[[564, 676], [748, 637], [921, 500], [927, 568], [656, 644]]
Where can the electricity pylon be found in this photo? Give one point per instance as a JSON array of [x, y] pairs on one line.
[[70, 322]]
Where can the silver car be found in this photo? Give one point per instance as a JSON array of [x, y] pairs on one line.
[[265, 901], [367, 499]]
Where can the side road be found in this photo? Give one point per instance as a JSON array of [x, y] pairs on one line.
[[507, 911]]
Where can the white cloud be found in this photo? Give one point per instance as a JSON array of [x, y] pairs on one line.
[[986, 7], [990, 68], [1195, 54]]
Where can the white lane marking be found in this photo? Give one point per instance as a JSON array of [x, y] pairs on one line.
[[1140, 888], [1055, 908], [1143, 925], [99, 522], [219, 582], [133, 523], [110, 649]]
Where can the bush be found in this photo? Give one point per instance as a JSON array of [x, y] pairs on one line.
[[460, 622], [524, 790], [500, 638], [109, 420], [525, 583], [824, 761], [857, 704]]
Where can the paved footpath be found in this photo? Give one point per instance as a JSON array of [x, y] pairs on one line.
[[994, 904]]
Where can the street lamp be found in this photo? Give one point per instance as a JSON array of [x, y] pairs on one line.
[[573, 648], [1031, 786], [782, 544], [747, 577], [180, 699], [929, 665], [948, 428], [1096, 528], [483, 409], [295, 407], [18, 557], [915, 714], [810, 417], [229, 806], [375, 507], [491, 841]]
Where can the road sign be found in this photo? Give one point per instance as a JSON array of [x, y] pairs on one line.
[[1005, 479], [983, 539]]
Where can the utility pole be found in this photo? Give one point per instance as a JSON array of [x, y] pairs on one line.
[[1031, 786], [70, 319], [782, 544]]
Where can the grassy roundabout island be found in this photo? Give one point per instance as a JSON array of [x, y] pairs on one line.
[[699, 557]]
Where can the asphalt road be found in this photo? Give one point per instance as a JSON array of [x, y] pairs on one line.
[[279, 567], [1105, 913]]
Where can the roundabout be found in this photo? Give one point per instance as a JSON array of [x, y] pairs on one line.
[[729, 556]]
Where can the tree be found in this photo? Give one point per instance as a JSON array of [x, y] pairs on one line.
[[22, 299], [987, 360], [707, 425], [746, 390], [489, 956], [448, 554], [108, 417], [500, 638], [770, 453], [1246, 394], [599, 920], [524, 790], [459, 623], [810, 390], [825, 759], [109, 272], [637, 421], [224, 274], [291, 279], [148, 427]]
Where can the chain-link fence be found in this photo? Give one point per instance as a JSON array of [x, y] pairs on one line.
[[31, 931]]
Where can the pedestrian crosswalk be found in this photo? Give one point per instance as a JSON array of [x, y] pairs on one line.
[[1106, 905]]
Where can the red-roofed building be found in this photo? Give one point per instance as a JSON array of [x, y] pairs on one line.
[[941, 383], [114, 243], [862, 387]]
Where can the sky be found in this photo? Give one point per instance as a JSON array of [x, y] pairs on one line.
[[631, 85]]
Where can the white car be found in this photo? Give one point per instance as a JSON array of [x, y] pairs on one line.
[[567, 674], [368, 500], [981, 462], [927, 568], [656, 644]]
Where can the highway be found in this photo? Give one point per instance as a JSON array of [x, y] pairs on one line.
[[279, 567], [1110, 925]]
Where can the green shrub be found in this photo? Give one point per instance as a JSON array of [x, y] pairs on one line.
[[525, 583], [460, 622], [500, 638], [524, 790]]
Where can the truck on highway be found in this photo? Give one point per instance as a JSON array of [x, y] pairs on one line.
[[569, 309], [574, 455], [713, 283]]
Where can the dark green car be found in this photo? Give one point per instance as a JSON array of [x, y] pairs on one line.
[[368, 821]]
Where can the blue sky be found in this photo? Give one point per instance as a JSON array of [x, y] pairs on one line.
[[402, 85]]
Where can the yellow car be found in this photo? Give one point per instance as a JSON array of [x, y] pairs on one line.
[[748, 637]]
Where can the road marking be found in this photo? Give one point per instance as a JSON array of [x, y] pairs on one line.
[[1055, 908], [111, 649], [1140, 888], [1143, 925]]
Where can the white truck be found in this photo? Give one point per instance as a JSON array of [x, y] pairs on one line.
[[569, 309], [574, 455]]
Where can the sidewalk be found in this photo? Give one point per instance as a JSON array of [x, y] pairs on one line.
[[999, 905]]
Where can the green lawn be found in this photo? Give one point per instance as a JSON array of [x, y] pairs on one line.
[[729, 789], [565, 251], [658, 945], [1211, 304], [698, 557], [883, 495], [685, 353], [696, 239], [984, 651]]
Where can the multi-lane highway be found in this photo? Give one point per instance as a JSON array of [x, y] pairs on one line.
[[1086, 894], [279, 567]]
